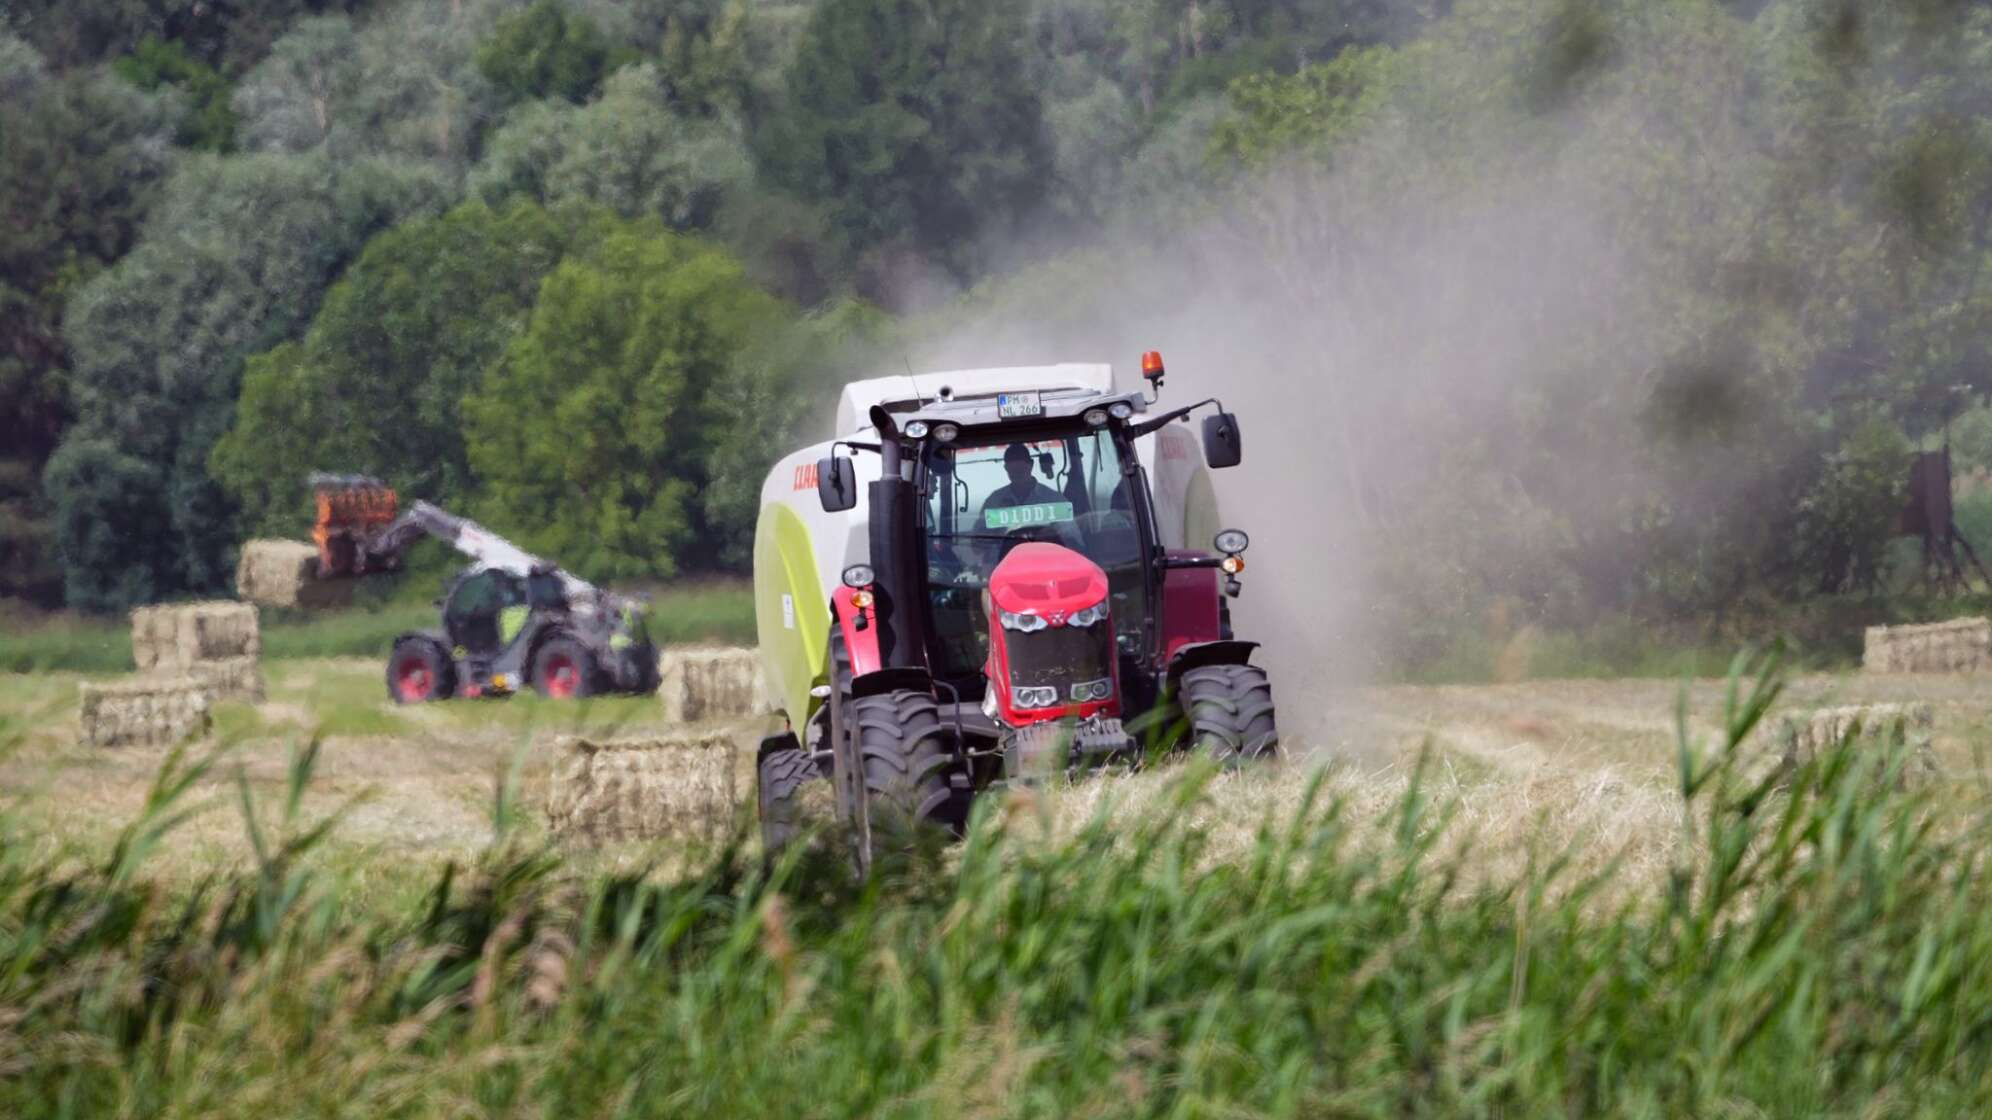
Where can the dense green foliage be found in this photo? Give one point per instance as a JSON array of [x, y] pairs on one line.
[[1640, 307], [1824, 950]]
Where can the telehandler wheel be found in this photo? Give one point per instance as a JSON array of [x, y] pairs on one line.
[[419, 670], [1230, 709], [563, 669]]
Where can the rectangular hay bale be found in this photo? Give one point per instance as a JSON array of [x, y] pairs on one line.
[[280, 573], [1805, 736], [145, 710], [231, 678], [1962, 645], [171, 637], [700, 684], [677, 788]]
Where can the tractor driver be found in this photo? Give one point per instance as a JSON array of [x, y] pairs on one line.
[[1024, 490]]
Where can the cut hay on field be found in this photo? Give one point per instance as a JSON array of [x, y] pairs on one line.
[[1962, 645], [155, 710], [1805, 736], [677, 788], [170, 638], [279, 573], [705, 683]]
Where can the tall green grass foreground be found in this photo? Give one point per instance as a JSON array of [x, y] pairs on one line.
[[1825, 949]]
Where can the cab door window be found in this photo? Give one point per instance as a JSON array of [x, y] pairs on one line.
[[482, 608]]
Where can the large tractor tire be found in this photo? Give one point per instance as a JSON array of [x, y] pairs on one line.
[[563, 669], [785, 772], [1230, 710], [420, 670], [907, 754]]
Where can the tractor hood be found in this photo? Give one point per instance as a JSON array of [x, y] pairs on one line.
[[1046, 579]]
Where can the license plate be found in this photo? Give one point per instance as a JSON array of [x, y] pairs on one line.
[[1011, 405]]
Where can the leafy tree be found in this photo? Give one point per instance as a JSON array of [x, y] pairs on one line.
[[546, 51], [114, 535], [227, 36], [594, 432], [84, 156], [1308, 112], [629, 151], [914, 123], [208, 122], [236, 256], [402, 340]]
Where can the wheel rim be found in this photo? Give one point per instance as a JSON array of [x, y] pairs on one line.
[[563, 676], [413, 681]]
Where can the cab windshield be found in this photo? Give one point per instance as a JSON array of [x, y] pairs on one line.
[[984, 499]]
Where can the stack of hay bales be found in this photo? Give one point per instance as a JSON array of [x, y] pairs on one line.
[[703, 684], [1806, 736], [1962, 645], [285, 574], [217, 643], [145, 711], [682, 788]]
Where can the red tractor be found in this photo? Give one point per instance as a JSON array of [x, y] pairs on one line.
[[1014, 597]]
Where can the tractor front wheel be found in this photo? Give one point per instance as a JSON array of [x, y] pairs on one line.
[[563, 669], [1230, 709], [419, 670], [907, 755]]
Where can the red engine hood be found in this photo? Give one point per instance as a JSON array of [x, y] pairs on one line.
[[1046, 579]]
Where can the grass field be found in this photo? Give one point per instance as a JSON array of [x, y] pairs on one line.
[[1508, 900], [709, 611]]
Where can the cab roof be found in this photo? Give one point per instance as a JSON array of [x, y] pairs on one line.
[[908, 393]]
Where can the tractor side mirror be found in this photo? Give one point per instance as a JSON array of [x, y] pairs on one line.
[[836, 483], [1223, 447]]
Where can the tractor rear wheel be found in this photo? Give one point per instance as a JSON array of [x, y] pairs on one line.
[[563, 669], [1230, 709], [419, 670]]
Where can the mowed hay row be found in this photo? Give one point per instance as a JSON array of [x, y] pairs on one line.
[[173, 637], [683, 787], [278, 573], [700, 684], [145, 711], [1962, 645], [1802, 737]]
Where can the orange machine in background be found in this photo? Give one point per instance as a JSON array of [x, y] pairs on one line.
[[352, 510]]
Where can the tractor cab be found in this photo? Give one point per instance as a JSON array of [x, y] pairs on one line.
[[1081, 490]]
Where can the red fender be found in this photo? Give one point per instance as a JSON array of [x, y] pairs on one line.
[[860, 627], [1190, 606]]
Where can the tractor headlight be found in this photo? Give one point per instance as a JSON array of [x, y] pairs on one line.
[[1096, 416], [1120, 410], [917, 429], [1087, 617], [946, 433], [1024, 623], [1093, 690], [1231, 542], [860, 575], [1038, 696]]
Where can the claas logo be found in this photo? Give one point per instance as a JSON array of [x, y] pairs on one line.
[[805, 477]]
